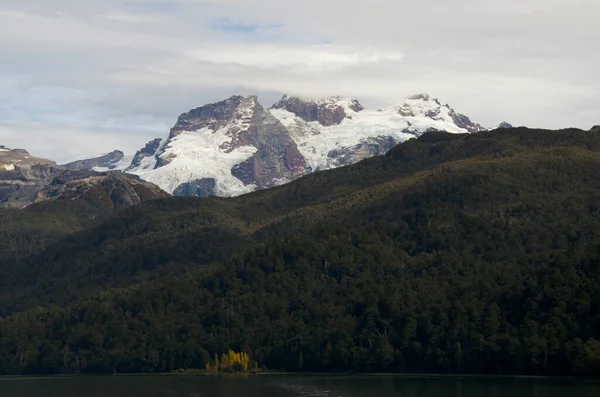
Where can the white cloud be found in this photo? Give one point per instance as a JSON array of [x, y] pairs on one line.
[[68, 143], [134, 65], [130, 18]]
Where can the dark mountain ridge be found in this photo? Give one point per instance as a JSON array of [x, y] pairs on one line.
[[107, 161], [468, 253]]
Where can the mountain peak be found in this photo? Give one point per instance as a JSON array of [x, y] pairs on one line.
[[595, 128], [217, 114], [235, 146], [424, 105], [333, 102], [504, 124], [112, 189], [225, 148], [114, 160], [328, 111]]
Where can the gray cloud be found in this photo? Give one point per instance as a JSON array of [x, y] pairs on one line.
[[115, 73]]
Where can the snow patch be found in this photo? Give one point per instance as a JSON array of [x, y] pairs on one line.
[[212, 152], [147, 163], [197, 155], [413, 117], [122, 165], [333, 102], [9, 167]]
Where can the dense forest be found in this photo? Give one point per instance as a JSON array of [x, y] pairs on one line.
[[451, 254]]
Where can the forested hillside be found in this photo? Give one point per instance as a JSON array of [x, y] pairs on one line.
[[452, 254]]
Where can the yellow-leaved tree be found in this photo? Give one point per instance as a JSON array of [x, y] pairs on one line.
[[230, 362]]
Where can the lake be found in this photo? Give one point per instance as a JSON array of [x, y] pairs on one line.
[[290, 386]]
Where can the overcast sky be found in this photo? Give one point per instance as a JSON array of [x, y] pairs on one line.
[[80, 77]]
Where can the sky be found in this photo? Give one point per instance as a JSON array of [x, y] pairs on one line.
[[84, 77]]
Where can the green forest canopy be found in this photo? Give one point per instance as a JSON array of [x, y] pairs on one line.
[[451, 254]]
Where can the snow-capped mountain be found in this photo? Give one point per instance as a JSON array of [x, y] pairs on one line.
[[25, 179], [236, 146], [336, 131], [504, 124], [226, 148], [113, 161]]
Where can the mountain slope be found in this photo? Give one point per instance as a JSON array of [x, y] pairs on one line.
[[25, 180], [113, 161], [340, 131], [236, 146], [453, 253], [22, 176], [225, 149], [69, 202]]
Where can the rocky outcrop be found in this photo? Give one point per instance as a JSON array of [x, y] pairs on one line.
[[464, 122], [235, 146], [368, 148], [214, 116], [334, 110], [109, 189], [200, 187], [22, 176], [25, 180], [504, 124], [108, 161], [229, 146], [327, 111], [307, 110], [277, 157], [425, 105], [148, 152], [595, 128]]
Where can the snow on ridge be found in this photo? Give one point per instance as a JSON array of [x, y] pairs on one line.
[[199, 155], [412, 117], [348, 104], [203, 154], [212, 152], [242, 117], [121, 165], [90, 157]]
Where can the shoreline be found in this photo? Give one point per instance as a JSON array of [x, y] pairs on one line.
[[307, 374]]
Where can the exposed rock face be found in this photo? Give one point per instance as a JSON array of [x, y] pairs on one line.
[[364, 133], [235, 146], [504, 124], [236, 143], [110, 190], [213, 116], [307, 110], [327, 111], [371, 147], [25, 180], [595, 128], [463, 121], [146, 157], [425, 105], [333, 110], [199, 187], [21, 176], [109, 161], [277, 157]]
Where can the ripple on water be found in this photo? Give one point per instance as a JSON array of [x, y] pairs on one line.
[[307, 391]]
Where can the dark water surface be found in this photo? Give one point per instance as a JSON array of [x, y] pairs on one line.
[[289, 386]]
